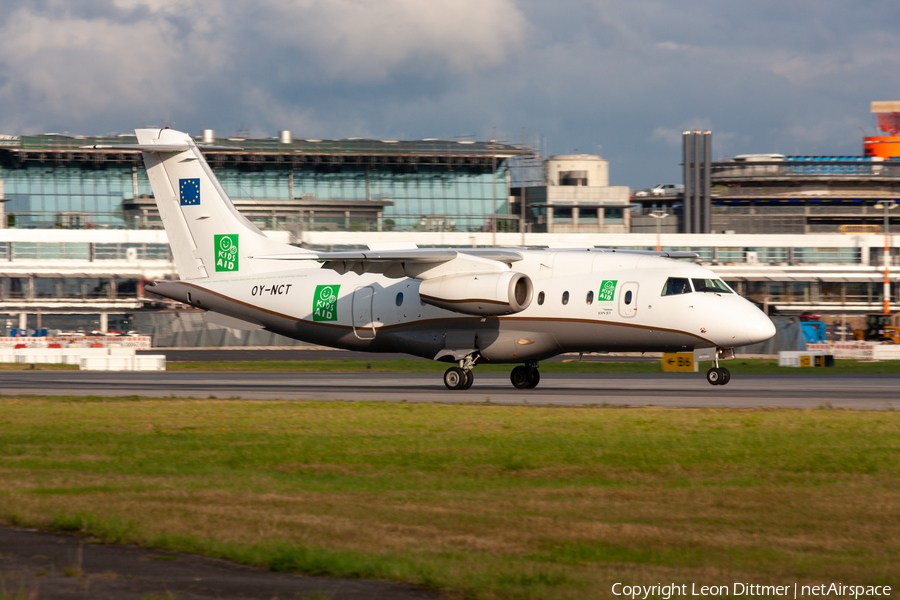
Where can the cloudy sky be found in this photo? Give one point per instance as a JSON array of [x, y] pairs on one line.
[[618, 78]]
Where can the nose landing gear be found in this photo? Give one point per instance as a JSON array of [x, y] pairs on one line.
[[525, 376], [718, 375]]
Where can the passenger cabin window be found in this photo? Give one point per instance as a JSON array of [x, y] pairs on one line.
[[399, 298], [541, 298], [628, 297], [717, 286], [565, 298], [590, 297], [676, 285]]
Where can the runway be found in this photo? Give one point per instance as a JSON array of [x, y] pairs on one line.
[[865, 392]]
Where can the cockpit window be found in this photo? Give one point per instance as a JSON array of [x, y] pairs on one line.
[[716, 286], [677, 285]]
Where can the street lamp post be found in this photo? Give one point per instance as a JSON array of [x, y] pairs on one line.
[[659, 215], [891, 205]]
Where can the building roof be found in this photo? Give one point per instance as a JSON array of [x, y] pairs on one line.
[[52, 142]]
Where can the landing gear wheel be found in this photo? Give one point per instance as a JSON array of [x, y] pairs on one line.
[[520, 377], [726, 376], [534, 378], [714, 376], [470, 379], [454, 378]]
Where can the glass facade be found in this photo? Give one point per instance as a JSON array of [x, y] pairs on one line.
[[426, 198], [69, 288]]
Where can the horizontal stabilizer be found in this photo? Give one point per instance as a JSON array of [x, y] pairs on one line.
[[158, 147]]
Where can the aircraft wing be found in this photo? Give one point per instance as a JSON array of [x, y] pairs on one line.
[[663, 253], [420, 264]]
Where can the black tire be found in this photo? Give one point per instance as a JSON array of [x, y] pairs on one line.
[[714, 376], [520, 377], [534, 378], [726, 376], [454, 378], [470, 379]]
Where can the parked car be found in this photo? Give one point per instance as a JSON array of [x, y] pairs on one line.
[[663, 189]]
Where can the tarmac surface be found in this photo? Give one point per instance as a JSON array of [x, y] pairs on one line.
[[34, 564], [869, 392]]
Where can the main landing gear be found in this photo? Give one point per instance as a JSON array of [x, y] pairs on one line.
[[461, 377], [525, 376]]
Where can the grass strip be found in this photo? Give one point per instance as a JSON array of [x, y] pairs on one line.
[[477, 501]]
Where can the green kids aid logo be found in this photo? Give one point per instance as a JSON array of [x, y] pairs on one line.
[[226, 249], [607, 290], [325, 303]]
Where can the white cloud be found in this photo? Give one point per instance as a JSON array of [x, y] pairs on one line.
[[366, 40], [69, 67]]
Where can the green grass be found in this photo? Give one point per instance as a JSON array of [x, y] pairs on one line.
[[477, 501]]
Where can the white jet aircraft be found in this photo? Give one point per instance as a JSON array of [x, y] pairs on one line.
[[462, 306]]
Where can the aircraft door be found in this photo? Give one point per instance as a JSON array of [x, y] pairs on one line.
[[363, 324], [628, 299]]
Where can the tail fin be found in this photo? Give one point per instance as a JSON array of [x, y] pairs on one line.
[[206, 232]]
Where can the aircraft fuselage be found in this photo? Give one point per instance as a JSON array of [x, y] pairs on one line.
[[583, 302]]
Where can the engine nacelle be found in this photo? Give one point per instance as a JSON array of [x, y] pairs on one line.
[[483, 294]]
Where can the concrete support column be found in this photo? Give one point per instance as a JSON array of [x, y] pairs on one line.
[[104, 322], [2, 207], [549, 219], [686, 218], [575, 214], [23, 320]]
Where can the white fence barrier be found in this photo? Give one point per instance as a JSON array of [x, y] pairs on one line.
[[886, 352], [794, 358], [845, 350], [146, 362], [89, 359], [140, 342]]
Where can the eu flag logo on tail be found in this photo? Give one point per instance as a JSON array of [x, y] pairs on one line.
[[190, 191]]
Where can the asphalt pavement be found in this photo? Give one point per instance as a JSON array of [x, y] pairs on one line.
[[35, 564], [804, 390]]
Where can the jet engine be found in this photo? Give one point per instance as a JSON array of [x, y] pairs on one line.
[[483, 294]]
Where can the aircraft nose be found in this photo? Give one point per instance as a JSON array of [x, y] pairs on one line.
[[759, 327]]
